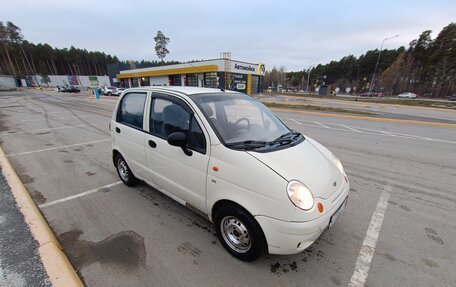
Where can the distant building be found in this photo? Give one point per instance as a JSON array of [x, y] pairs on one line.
[[113, 70], [218, 73]]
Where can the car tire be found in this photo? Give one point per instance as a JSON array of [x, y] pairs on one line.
[[239, 233], [124, 171], [109, 94]]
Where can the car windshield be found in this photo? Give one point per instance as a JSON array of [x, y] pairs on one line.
[[241, 120]]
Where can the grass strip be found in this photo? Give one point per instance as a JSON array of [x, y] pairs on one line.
[[318, 108]]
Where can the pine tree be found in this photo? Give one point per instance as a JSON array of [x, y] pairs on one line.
[[160, 46]]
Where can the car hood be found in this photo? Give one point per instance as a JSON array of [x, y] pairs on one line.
[[308, 162]]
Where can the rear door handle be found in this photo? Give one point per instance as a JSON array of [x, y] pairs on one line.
[[117, 130], [152, 144]]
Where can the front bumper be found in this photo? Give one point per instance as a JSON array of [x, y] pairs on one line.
[[285, 237]]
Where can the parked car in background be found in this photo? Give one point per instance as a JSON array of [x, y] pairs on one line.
[[118, 91], [451, 98], [59, 89], [71, 89], [407, 95], [229, 157], [108, 91]]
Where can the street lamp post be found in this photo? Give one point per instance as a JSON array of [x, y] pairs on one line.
[[372, 84], [308, 78]]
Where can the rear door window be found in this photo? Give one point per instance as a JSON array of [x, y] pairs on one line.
[[131, 110]]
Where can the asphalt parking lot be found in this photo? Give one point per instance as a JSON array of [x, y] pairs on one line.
[[398, 228]]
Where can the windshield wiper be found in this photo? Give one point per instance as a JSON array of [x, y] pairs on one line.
[[286, 138], [247, 145]]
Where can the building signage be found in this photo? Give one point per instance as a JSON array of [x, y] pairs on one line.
[[246, 68], [73, 80], [94, 80], [261, 69], [239, 83]]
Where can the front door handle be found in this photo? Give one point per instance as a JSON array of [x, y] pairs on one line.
[[117, 130], [152, 144]]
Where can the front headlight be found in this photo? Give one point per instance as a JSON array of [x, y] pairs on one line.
[[300, 195], [339, 165]]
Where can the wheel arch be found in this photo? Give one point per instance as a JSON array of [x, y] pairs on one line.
[[115, 152], [224, 202]]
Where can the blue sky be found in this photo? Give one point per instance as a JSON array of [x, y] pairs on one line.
[[294, 34]]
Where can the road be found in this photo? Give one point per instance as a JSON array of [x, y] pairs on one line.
[[382, 110], [398, 228], [394, 97]]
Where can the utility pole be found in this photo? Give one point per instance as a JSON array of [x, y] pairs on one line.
[[308, 78], [372, 84]]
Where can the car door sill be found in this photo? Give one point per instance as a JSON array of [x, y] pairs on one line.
[[181, 201]]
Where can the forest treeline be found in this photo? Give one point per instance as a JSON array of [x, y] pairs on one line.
[[427, 67], [19, 57]]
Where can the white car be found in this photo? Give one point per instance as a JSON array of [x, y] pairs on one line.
[[118, 91], [407, 95], [228, 157], [109, 91]]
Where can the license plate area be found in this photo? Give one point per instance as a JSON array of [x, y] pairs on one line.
[[338, 212]]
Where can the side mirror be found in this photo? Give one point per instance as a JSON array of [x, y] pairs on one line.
[[179, 139]]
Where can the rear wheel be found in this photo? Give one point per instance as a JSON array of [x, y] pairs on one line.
[[239, 233], [124, 171], [109, 94]]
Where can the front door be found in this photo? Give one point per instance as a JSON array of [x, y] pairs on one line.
[[173, 171]]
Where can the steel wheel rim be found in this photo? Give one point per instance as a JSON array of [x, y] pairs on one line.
[[123, 169], [235, 234]]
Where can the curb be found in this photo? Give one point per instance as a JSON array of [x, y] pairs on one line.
[[58, 267]]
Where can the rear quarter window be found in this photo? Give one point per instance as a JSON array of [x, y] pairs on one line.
[[131, 110]]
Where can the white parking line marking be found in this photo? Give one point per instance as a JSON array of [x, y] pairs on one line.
[[101, 188], [58, 118], [40, 130], [57, 147], [320, 124], [387, 133], [295, 121], [366, 131], [366, 253], [350, 128], [317, 125], [42, 113], [61, 112]]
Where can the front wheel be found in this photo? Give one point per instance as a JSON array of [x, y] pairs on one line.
[[239, 233], [124, 171]]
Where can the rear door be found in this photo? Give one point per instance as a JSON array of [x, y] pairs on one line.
[[173, 171], [128, 131]]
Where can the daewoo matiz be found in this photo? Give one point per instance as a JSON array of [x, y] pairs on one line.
[[228, 157]]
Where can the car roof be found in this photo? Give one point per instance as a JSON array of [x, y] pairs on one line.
[[183, 89]]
